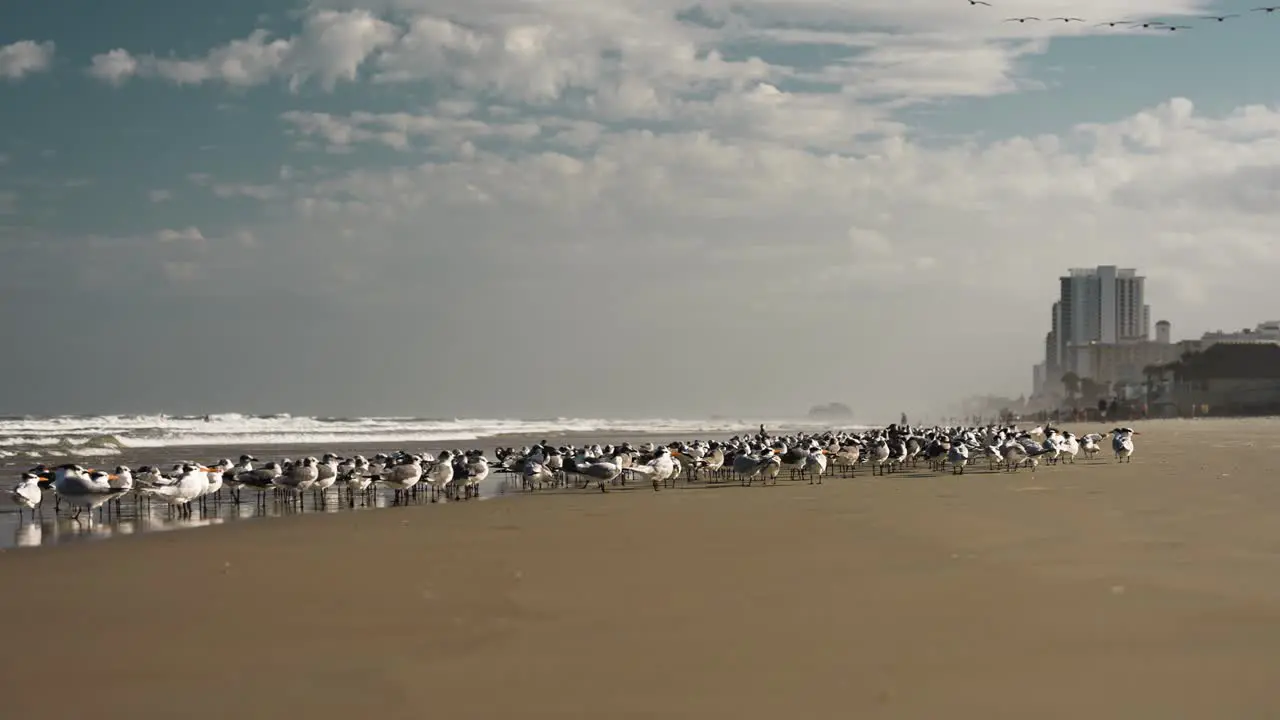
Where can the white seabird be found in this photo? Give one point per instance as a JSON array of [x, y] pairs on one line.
[[27, 494], [231, 478], [879, 455], [440, 475], [214, 481], [326, 475], [1070, 447], [1122, 443], [958, 456], [815, 465], [603, 471], [661, 468], [747, 465], [477, 470], [189, 485], [82, 491], [402, 476], [1089, 445], [535, 474], [260, 479], [299, 478]]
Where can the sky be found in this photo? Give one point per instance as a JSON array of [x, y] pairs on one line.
[[623, 208]]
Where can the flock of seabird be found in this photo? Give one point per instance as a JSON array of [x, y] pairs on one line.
[[1145, 23], [455, 474]]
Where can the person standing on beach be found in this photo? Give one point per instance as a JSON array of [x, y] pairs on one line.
[[764, 436]]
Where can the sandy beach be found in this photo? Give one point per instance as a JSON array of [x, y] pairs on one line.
[[1147, 590]]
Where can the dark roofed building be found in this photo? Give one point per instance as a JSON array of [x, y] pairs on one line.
[[1230, 378]]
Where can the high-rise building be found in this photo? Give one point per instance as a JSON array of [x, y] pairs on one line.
[[1052, 350], [1096, 305]]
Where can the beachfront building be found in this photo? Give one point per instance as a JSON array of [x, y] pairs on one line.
[[1123, 367], [1226, 378], [1265, 332]]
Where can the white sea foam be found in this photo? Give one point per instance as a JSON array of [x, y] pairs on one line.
[[108, 435]]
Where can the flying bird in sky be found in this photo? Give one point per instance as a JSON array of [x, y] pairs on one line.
[[1219, 18], [1021, 19], [1269, 9], [979, 2], [1067, 19]]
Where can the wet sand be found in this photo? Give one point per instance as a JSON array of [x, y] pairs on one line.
[[1147, 590]]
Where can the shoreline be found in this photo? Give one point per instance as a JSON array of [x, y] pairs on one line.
[[22, 533], [137, 519]]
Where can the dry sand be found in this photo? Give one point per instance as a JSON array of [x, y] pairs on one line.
[[1149, 590]]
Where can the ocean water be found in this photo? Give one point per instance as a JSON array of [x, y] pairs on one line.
[[37, 439]]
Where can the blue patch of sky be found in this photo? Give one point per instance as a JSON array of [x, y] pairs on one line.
[[802, 56], [145, 135], [1219, 66], [699, 16]]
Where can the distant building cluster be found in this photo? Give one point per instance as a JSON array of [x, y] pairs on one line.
[[1099, 348]]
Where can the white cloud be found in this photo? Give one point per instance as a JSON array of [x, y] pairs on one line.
[[159, 196], [396, 130], [246, 190], [333, 45], [114, 66], [25, 57], [330, 47], [189, 234]]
